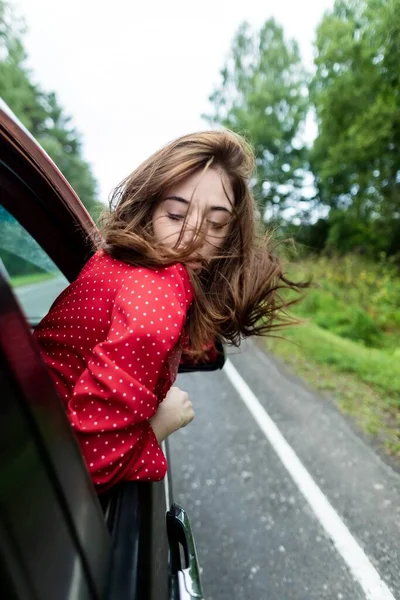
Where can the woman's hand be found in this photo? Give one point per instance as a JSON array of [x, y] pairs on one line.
[[174, 412]]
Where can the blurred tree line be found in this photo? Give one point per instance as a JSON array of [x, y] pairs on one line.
[[339, 194], [342, 192], [41, 112]]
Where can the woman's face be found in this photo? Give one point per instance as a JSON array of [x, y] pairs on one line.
[[199, 196]]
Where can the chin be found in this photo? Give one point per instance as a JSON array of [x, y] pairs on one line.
[[195, 265]]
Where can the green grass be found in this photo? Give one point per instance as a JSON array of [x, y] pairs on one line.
[[21, 280], [349, 347], [365, 383]]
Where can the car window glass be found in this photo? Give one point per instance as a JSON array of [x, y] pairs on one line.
[[35, 278]]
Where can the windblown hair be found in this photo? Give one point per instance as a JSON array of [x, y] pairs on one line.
[[237, 294]]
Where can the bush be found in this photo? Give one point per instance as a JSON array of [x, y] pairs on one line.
[[353, 298]]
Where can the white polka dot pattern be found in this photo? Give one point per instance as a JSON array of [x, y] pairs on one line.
[[112, 343]]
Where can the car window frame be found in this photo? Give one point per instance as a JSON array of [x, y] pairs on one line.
[[27, 173]]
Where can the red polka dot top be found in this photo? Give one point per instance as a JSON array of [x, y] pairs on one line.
[[112, 343]]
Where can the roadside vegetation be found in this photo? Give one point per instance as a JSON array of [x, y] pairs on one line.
[[349, 343], [21, 280]]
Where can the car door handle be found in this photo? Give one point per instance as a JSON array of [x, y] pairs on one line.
[[180, 534]]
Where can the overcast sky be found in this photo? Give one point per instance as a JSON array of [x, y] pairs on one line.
[[135, 75]]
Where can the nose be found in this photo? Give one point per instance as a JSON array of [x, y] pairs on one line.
[[191, 228]]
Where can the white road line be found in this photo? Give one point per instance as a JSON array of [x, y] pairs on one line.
[[349, 549]]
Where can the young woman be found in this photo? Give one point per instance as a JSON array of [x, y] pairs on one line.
[[180, 263]]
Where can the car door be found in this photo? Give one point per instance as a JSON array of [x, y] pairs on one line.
[[46, 236]]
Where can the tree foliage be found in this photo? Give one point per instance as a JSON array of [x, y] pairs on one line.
[[262, 95], [41, 112], [356, 94]]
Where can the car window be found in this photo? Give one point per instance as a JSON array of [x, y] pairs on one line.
[[35, 278]]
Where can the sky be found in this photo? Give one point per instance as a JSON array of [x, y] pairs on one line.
[[135, 75]]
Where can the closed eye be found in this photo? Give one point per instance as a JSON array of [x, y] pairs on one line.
[[216, 225], [174, 217]]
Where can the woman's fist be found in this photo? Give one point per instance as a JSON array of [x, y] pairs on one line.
[[174, 412]]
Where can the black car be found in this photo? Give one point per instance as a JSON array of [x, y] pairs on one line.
[[58, 539]]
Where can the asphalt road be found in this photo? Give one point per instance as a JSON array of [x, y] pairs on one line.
[[257, 537]]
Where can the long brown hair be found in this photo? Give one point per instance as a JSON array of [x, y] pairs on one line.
[[237, 294]]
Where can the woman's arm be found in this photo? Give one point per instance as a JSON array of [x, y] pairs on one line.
[[114, 398]]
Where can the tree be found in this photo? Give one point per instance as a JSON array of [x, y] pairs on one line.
[[40, 112], [16, 88], [356, 94], [63, 143], [263, 96]]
